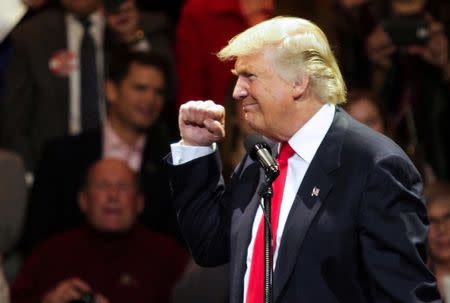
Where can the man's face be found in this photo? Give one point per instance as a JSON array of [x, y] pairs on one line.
[[138, 99], [265, 97], [407, 7], [111, 201], [439, 232], [81, 7], [256, 11]]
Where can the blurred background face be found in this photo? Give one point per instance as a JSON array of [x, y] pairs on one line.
[[407, 7], [138, 99], [81, 7], [256, 11], [439, 232], [367, 113], [111, 201]]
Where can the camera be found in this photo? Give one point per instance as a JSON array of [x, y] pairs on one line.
[[85, 298], [407, 31]]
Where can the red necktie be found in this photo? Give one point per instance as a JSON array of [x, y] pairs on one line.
[[256, 280]]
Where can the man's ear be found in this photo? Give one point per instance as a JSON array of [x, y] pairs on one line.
[[300, 86], [111, 91], [82, 201]]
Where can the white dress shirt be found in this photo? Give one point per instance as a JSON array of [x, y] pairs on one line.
[[305, 143], [75, 33], [115, 147]]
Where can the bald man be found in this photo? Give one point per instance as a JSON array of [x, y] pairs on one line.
[[111, 257]]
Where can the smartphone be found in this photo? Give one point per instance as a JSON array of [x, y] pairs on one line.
[[407, 31], [112, 6]]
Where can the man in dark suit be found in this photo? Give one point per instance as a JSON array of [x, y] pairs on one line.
[[136, 90], [43, 93], [348, 220]]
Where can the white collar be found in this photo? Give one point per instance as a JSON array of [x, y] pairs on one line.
[[97, 18], [307, 139]]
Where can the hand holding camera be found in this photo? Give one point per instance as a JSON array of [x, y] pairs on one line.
[[73, 290], [423, 37], [435, 51]]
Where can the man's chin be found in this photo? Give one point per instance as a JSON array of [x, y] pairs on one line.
[[254, 128], [258, 128], [113, 230]]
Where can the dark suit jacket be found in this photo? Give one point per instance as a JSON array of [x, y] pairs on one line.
[[53, 205], [35, 106], [362, 239]]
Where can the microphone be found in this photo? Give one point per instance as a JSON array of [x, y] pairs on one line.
[[259, 150]]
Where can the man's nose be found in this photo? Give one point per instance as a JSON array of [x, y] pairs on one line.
[[240, 91], [113, 192]]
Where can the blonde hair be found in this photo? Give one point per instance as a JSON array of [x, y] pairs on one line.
[[300, 47]]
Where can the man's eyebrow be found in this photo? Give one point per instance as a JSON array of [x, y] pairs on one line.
[[241, 73]]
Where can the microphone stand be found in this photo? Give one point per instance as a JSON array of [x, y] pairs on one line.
[[266, 193]]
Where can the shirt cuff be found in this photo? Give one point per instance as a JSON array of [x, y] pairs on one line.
[[185, 153]]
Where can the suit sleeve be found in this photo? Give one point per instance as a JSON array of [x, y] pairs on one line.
[[202, 210], [17, 107], [393, 230]]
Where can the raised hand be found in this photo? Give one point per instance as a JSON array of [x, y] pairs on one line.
[[201, 123]]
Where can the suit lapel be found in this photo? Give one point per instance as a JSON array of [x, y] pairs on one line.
[[311, 197], [242, 231]]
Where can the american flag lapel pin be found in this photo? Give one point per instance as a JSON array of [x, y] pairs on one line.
[[315, 192]]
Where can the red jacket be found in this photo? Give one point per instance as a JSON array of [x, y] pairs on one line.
[[204, 28]]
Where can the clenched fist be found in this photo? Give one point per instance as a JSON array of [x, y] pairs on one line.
[[201, 123]]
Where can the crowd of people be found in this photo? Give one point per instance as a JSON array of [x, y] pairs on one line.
[[89, 98]]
